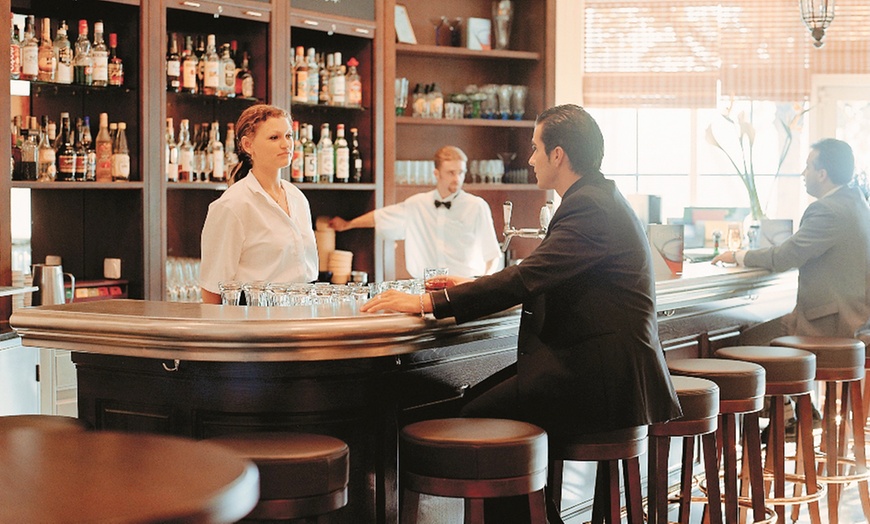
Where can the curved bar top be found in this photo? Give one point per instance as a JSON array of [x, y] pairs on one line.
[[205, 332]]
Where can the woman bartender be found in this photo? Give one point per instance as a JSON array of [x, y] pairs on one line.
[[260, 228]]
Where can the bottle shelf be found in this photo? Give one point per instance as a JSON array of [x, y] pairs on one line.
[[218, 99], [461, 52], [466, 122], [30, 184], [339, 186], [28, 87], [207, 186], [474, 188], [323, 107]]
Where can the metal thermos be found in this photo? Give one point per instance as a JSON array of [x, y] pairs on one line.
[[50, 282]]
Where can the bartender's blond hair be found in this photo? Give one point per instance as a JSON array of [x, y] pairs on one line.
[[448, 153]]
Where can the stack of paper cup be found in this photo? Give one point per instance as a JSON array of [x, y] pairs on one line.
[[18, 281], [325, 238], [340, 263]]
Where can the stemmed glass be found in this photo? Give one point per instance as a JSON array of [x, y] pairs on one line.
[[506, 158], [442, 30]]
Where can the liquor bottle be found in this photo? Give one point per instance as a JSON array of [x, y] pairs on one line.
[[100, 56], [29, 153], [66, 153], [234, 51], [63, 55], [121, 155], [244, 79], [104, 150], [45, 54], [325, 156], [231, 158], [29, 51], [173, 65], [90, 152], [227, 74], [353, 84], [211, 69], [83, 62], [309, 156], [185, 152], [300, 77], [15, 157], [216, 154], [113, 131], [189, 68], [116, 65], [297, 167], [323, 97], [337, 92], [81, 167], [170, 167], [14, 50], [46, 156], [356, 162], [200, 65], [342, 156], [313, 88], [200, 158]]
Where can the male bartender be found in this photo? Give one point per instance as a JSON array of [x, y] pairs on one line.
[[446, 227]]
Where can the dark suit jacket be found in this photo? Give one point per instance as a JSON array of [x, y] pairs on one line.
[[589, 357], [832, 249]]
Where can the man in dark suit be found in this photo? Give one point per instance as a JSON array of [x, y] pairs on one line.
[[831, 250], [588, 356]]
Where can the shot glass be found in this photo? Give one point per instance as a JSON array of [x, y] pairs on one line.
[[231, 292], [435, 278]]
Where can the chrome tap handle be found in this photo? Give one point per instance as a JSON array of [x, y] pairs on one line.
[[544, 217], [508, 211]]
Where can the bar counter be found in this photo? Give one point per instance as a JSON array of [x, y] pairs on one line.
[[203, 370]]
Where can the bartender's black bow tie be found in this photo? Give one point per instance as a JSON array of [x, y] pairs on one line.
[[446, 204]]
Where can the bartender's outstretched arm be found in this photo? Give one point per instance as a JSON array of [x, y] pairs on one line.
[[362, 221]]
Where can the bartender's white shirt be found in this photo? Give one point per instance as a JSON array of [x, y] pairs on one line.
[[461, 238], [248, 237]]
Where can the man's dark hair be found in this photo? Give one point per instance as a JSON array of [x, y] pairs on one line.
[[570, 127], [835, 157]]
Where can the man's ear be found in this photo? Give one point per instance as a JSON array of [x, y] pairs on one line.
[[557, 156]]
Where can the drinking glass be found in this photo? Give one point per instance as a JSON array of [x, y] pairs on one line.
[[518, 102], [231, 292], [504, 101], [435, 278], [401, 95], [502, 16], [735, 237], [442, 30]]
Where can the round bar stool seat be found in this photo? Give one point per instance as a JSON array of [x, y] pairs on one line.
[[41, 423], [302, 475], [474, 459], [607, 449], [699, 400], [792, 372], [741, 392], [841, 360]]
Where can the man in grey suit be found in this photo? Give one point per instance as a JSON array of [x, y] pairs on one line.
[[831, 250], [588, 354]]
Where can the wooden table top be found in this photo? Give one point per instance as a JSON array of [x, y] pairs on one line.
[[121, 477]]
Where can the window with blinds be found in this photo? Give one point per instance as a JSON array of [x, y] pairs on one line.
[[689, 53]]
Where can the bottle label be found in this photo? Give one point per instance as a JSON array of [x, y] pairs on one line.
[[211, 78], [354, 95], [336, 90], [248, 87], [297, 167], [188, 78], [173, 69], [47, 66], [313, 88], [66, 166], [101, 66], [342, 163], [104, 161], [300, 91], [29, 61], [218, 166], [172, 172], [185, 160], [15, 61], [116, 74], [310, 168], [229, 84], [121, 166]]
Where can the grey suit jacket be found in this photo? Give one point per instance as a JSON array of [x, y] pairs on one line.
[[589, 357], [831, 248]]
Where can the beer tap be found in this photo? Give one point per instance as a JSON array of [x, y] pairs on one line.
[[527, 232]]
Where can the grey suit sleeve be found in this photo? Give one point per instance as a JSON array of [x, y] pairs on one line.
[[812, 239]]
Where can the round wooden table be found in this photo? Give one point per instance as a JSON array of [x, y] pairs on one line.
[[121, 477]]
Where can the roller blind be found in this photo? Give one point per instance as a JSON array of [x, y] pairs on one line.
[[685, 53]]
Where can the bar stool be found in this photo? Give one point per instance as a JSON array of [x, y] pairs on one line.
[[741, 391], [839, 360], [790, 372], [474, 459], [301, 475], [42, 423], [607, 449], [699, 399]]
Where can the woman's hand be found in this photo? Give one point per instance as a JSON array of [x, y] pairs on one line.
[[398, 301], [339, 224]]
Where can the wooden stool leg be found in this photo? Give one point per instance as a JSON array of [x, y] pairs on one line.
[[601, 499], [554, 482], [538, 506], [410, 506], [711, 471], [776, 451], [657, 492], [473, 511], [830, 442], [858, 423], [727, 424], [633, 493], [752, 453], [686, 480], [806, 455]]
